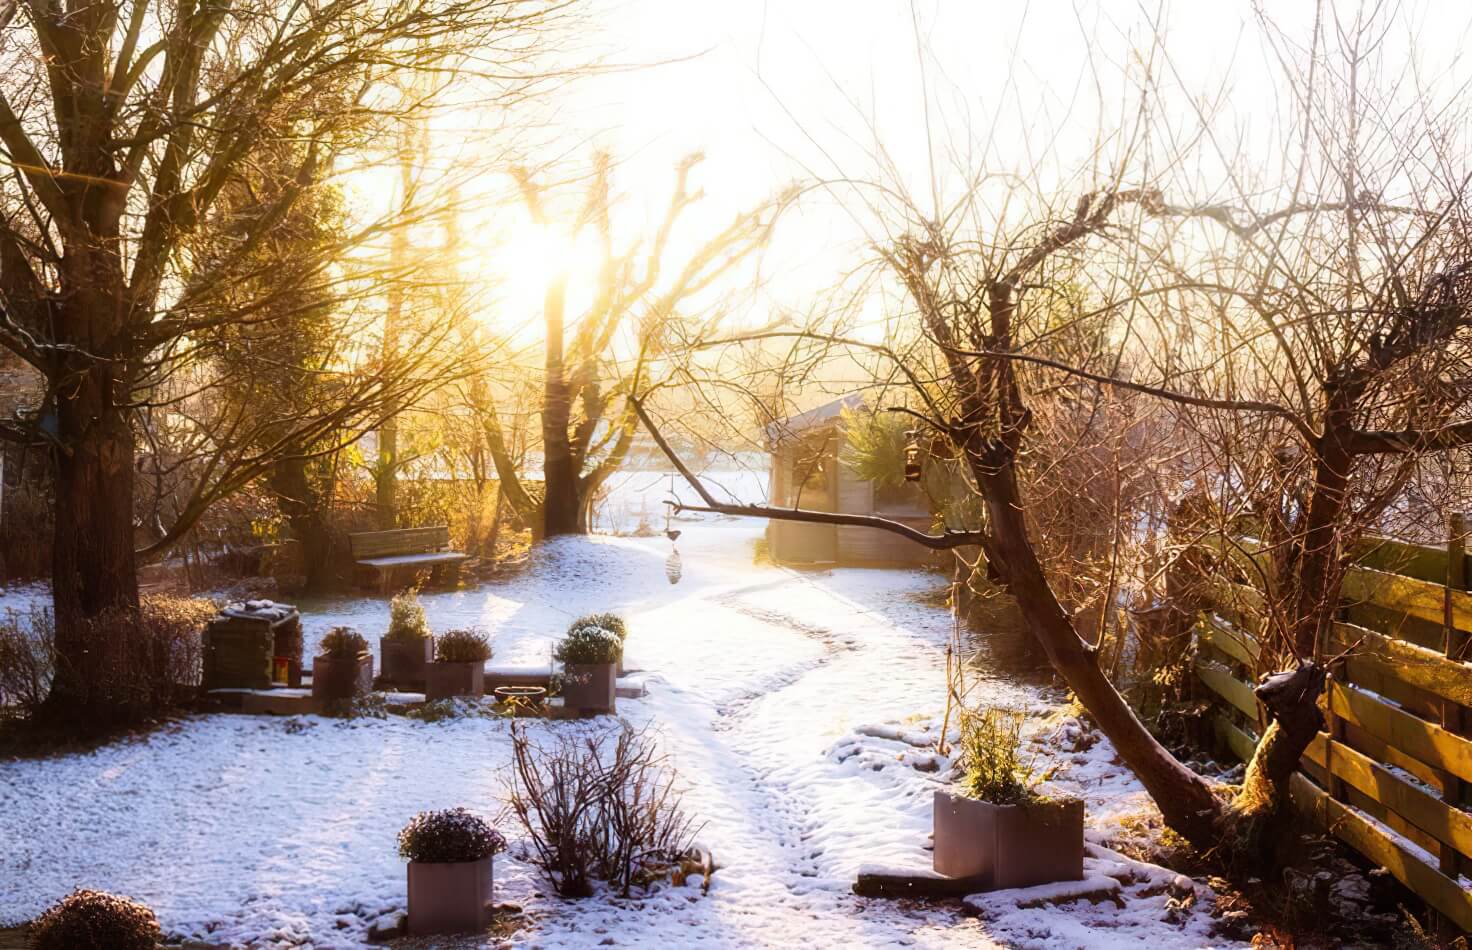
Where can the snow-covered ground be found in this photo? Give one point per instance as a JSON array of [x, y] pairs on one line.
[[795, 705]]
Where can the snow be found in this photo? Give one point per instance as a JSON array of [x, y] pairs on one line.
[[801, 709]]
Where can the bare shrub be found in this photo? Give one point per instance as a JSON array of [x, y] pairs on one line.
[[138, 663], [27, 644], [599, 807]]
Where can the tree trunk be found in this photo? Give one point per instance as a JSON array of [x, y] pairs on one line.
[[306, 520], [1188, 802], [94, 570], [559, 469]]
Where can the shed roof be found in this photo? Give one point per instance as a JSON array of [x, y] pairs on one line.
[[784, 429]]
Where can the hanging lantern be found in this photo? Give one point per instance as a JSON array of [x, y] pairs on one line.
[[912, 456]]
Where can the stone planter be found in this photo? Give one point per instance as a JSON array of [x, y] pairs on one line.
[[404, 661], [591, 687], [1006, 846], [450, 898], [334, 678], [447, 680]]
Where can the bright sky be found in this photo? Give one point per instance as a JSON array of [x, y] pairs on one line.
[[774, 91]]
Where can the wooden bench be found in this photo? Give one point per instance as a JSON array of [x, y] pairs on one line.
[[384, 552]]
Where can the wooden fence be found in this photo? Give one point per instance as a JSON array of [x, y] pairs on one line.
[[1391, 774]]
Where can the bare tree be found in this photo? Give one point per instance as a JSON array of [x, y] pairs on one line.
[[1310, 337], [586, 429], [122, 125]]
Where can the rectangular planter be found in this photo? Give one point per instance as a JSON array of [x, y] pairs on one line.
[[237, 654], [589, 686], [450, 898], [334, 679], [1005, 846], [404, 661], [446, 680]]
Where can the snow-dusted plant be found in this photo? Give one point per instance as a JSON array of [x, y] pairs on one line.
[[451, 836], [991, 757], [590, 645], [608, 621], [406, 620], [462, 646], [343, 643], [88, 919]]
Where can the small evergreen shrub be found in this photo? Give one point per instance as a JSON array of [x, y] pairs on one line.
[[448, 710], [94, 920], [447, 837], [462, 646], [991, 758], [589, 645], [611, 622], [406, 620], [343, 643]]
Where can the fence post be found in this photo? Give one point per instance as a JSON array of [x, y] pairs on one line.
[[1453, 715]]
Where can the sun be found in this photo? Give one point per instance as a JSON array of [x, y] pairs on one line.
[[534, 258]]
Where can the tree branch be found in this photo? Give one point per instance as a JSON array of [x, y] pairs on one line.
[[936, 542]]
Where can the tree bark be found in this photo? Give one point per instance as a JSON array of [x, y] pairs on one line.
[[94, 570], [306, 520], [1188, 802], [559, 467]]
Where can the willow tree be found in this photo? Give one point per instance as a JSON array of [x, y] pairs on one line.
[[1311, 337], [123, 124], [597, 359]]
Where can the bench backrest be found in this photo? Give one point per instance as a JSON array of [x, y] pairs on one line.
[[366, 544]]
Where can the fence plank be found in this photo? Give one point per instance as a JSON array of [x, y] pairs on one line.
[[1230, 640], [1429, 743], [1421, 599], [1421, 561], [1422, 668], [1407, 866], [1407, 799], [1221, 681]]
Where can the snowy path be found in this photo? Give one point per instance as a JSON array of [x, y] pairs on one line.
[[786, 700]]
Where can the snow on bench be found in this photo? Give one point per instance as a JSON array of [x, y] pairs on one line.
[[382, 552]]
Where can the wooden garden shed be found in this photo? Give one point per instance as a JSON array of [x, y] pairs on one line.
[[808, 471]]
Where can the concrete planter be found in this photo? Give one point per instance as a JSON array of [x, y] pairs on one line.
[[591, 687], [1004, 846], [335, 678], [447, 680], [404, 661], [450, 898]]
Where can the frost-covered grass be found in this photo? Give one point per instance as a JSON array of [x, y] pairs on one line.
[[799, 708]]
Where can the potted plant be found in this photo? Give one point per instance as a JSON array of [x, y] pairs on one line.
[[407, 648], [1000, 830], [343, 666], [450, 881], [589, 655], [95, 919], [459, 667], [608, 621]]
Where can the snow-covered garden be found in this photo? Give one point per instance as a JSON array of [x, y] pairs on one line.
[[800, 708]]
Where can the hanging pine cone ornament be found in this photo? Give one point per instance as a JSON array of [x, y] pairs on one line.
[[672, 567]]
